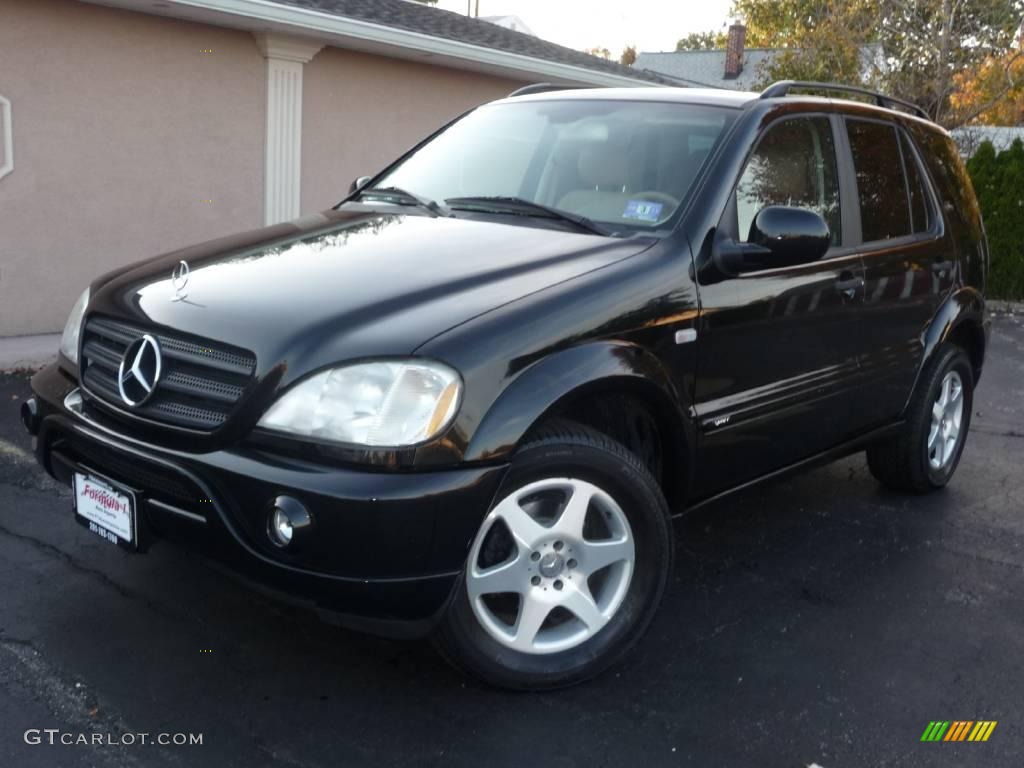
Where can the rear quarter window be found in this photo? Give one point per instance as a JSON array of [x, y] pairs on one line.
[[953, 185]]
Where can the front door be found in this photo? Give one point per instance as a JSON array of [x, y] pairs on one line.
[[777, 371]]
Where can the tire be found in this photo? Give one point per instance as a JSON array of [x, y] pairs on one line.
[[489, 634], [908, 462]]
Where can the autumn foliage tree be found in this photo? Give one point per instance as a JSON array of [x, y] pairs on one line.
[[993, 93], [930, 44], [959, 59], [702, 41]]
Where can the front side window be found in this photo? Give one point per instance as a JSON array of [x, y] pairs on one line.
[[885, 202], [793, 165], [628, 165]]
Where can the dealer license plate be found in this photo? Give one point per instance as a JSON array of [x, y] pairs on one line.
[[106, 510]]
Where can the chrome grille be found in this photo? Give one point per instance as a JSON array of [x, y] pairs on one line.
[[201, 382]]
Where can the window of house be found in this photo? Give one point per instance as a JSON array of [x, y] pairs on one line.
[[793, 165]]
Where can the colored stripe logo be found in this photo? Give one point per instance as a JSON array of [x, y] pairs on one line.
[[958, 730]]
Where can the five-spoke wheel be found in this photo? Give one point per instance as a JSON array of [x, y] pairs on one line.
[[568, 572], [923, 456], [567, 568], [947, 417]]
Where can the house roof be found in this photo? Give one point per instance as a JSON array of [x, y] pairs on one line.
[[970, 137], [509, 22], [404, 29], [423, 19], [707, 68]]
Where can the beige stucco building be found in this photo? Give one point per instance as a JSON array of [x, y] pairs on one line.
[[133, 127]]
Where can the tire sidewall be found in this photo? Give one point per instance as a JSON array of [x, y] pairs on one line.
[[645, 509]]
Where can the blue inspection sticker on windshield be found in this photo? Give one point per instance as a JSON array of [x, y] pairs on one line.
[[642, 210]]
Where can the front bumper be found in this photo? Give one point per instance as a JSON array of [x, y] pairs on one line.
[[386, 548]]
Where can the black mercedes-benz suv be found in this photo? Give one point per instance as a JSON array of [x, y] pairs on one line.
[[467, 401]]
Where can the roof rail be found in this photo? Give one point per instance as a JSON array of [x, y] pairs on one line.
[[783, 87], [526, 90]]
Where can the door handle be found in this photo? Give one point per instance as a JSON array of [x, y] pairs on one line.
[[848, 285], [942, 267]]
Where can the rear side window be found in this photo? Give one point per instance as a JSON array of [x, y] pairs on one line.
[[953, 184], [920, 208], [881, 185], [793, 165]]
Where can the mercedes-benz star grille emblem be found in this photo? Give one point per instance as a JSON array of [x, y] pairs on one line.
[[179, 279], [139, 372]]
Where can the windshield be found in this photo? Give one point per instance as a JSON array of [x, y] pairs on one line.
[[627, 165]]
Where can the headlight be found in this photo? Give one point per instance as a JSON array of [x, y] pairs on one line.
[[73, 328], [392, 403]]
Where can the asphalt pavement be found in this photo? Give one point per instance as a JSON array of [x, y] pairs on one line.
[[816, 620]]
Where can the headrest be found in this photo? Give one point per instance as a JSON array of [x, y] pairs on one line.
[[604, 165]]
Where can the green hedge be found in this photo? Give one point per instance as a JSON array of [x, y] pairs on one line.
[[999, 183]]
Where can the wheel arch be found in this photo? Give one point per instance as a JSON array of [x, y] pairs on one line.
[[960, 319], [574, 383]]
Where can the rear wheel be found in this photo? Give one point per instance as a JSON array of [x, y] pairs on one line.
[[926, 454], [568, 567]]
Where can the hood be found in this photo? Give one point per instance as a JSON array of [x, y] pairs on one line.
[[343, 285]]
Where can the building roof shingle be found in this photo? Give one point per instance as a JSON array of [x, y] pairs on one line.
[[707, 68], [415, 17]]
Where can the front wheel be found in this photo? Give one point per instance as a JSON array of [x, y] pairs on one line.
[[568, 567], [925, 456]]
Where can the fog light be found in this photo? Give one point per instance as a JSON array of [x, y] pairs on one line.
[[282, 528], [288, 522]]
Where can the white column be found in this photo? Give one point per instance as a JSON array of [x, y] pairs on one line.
[[285, 57], [6, 138]]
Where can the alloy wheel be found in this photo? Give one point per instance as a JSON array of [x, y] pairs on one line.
[[550, 565], [947, 419]]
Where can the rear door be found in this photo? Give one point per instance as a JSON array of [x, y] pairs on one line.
[[909, 264], [778, 349]]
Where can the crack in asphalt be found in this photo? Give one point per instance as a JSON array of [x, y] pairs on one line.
[[47, 548]]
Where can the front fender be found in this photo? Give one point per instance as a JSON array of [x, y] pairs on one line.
[[548, 385]]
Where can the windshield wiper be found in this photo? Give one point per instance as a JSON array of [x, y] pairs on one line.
[[523, 207], [431, 206]]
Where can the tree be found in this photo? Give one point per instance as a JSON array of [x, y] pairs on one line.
[[956, 58], [600, 51], [702, 41], [928, 43], [998, 180], [992, 94], [628, 57], [821, 40]]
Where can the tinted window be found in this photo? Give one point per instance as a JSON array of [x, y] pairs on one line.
[[884, 202], [920, 220], [952, 183], [794, 165], [626, 163]]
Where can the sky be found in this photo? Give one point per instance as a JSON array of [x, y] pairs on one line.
[[651, 25]]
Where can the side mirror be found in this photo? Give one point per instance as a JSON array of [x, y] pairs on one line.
[[779, 237], [359, 183], [793, 235]]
